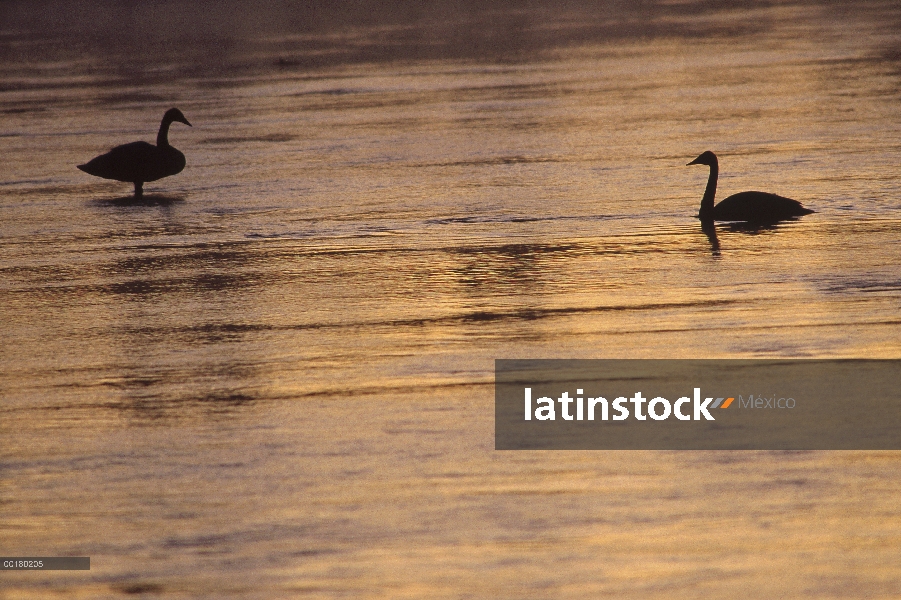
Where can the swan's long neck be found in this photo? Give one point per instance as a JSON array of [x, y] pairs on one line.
[[707, 202], [162, 138]]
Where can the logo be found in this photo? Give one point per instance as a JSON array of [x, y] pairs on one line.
[[697, 404], [591, 409]]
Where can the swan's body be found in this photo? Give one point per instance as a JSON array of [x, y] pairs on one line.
[[140, 162], [757, 207]]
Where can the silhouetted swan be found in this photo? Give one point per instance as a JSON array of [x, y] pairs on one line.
[[139, 161], [757, 207]]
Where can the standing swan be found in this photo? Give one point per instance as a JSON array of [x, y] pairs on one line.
[[757, 207], [138, 162]]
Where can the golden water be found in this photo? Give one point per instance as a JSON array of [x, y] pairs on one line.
[[273, 377]]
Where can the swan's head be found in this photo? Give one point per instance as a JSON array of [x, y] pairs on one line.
[[174, 115], [708, 158]]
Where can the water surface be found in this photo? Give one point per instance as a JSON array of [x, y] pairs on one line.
[[273, 376]]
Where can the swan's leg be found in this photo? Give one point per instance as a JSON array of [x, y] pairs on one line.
[[139, 189]]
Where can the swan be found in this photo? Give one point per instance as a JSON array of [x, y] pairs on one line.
[[758, 207], [139, 162]]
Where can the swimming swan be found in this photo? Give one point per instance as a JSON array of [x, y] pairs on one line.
[[139, 161], [757, 207]]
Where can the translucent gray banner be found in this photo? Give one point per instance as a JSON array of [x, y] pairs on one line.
[[45, 563], [697, 405]]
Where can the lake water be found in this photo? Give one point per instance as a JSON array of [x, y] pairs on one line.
[[273, 377]]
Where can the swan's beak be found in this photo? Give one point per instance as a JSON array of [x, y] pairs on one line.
[[694, 162], [185, 121]]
